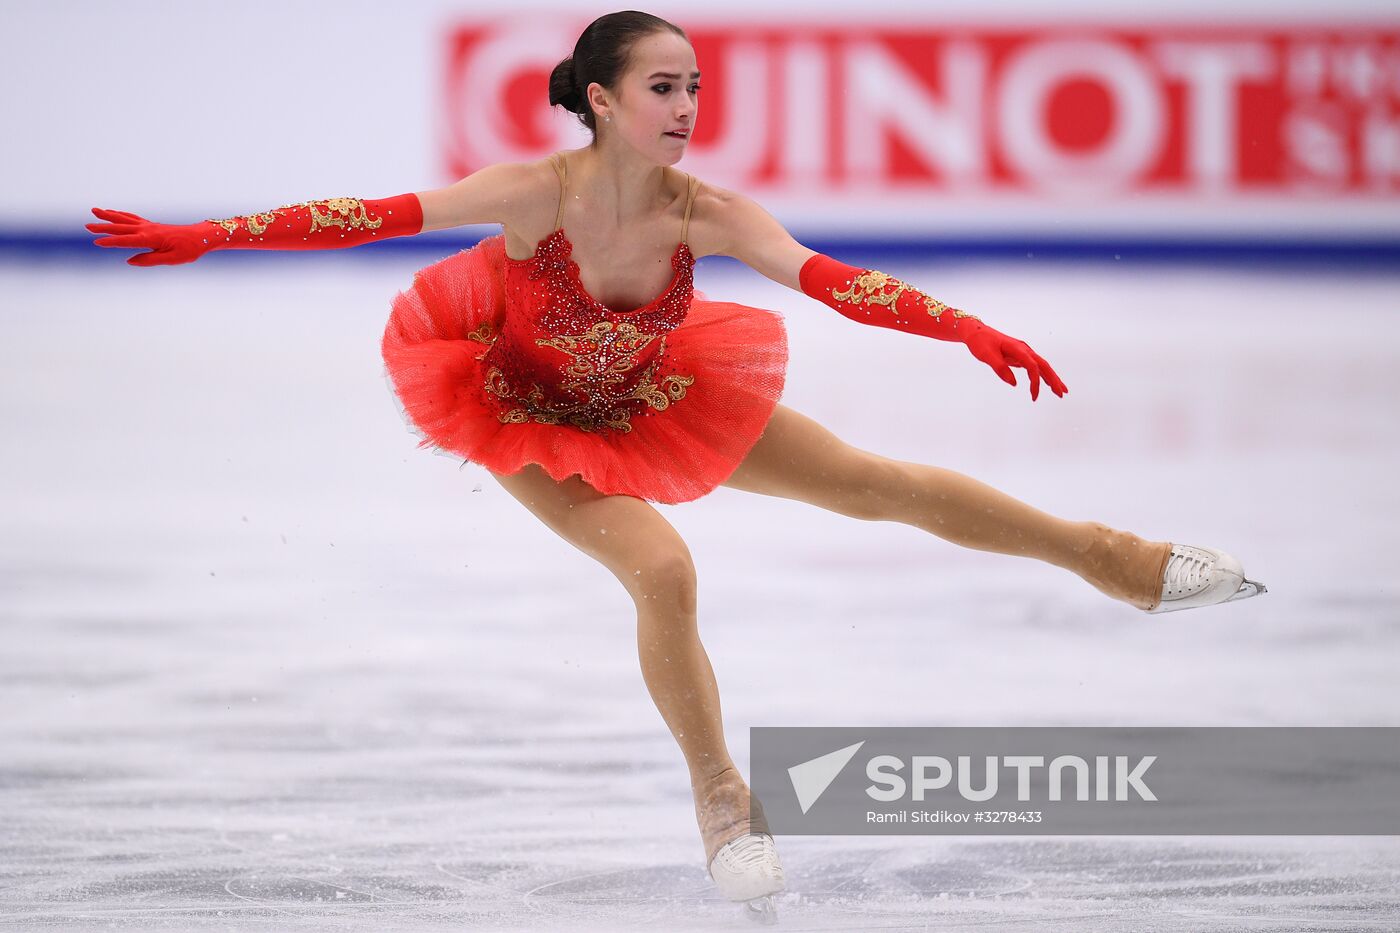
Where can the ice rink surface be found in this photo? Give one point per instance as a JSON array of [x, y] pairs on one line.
[[267, 666]]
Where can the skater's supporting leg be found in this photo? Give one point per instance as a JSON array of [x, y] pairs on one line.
[[647, 555], [797, 458]]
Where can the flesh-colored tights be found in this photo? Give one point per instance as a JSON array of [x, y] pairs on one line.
[[796, 458]]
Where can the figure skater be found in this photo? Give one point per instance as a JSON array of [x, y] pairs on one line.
[[587, 375]]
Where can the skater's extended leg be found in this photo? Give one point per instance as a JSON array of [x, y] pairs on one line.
[[797, 458], [647, 555]]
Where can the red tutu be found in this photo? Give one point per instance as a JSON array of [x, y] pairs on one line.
[[433, 348]]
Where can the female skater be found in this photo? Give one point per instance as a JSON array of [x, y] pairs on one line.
[[584, 371]]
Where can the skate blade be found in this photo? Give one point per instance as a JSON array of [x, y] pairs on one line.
[[762, 910], [1248, 588]]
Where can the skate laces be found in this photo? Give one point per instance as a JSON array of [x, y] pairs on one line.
[[1188, 570], [750, 851]]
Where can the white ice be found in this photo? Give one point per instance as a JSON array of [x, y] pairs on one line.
[[266, 665]]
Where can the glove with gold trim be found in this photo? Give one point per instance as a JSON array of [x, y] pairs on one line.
[[876, 298], [328, 224]]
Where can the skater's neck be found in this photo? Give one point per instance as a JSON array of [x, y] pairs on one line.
[[618, 186]]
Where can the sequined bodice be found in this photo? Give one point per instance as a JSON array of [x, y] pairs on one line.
[[546, 288], [563, 357]]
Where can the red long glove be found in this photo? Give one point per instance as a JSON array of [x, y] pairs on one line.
[[872, 297], [328, 224]]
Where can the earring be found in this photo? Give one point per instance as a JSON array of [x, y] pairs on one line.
[[607, 118]]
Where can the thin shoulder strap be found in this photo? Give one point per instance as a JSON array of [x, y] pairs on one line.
[[690, 189], [561, 168]]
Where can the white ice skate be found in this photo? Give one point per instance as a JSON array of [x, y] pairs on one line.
[[747, 869], [1202, 576]]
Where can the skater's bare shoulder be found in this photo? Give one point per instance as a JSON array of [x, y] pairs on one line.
[[504, 193], [728, 223]]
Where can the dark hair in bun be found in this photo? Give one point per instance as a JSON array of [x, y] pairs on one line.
[[600, 55]]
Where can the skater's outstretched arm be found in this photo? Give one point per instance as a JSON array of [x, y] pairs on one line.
[[333, 223], [750, 234]]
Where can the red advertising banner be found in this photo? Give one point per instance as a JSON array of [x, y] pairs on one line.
[[1195, 112]]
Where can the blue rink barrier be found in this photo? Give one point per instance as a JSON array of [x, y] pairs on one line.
[[1358, 252]]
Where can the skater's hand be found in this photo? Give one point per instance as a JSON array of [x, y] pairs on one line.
[[1002, 352], [169, 244]]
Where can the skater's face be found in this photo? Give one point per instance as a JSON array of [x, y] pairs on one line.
[[656, 96]]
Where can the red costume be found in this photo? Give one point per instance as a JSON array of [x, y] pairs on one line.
[[507, 362]]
